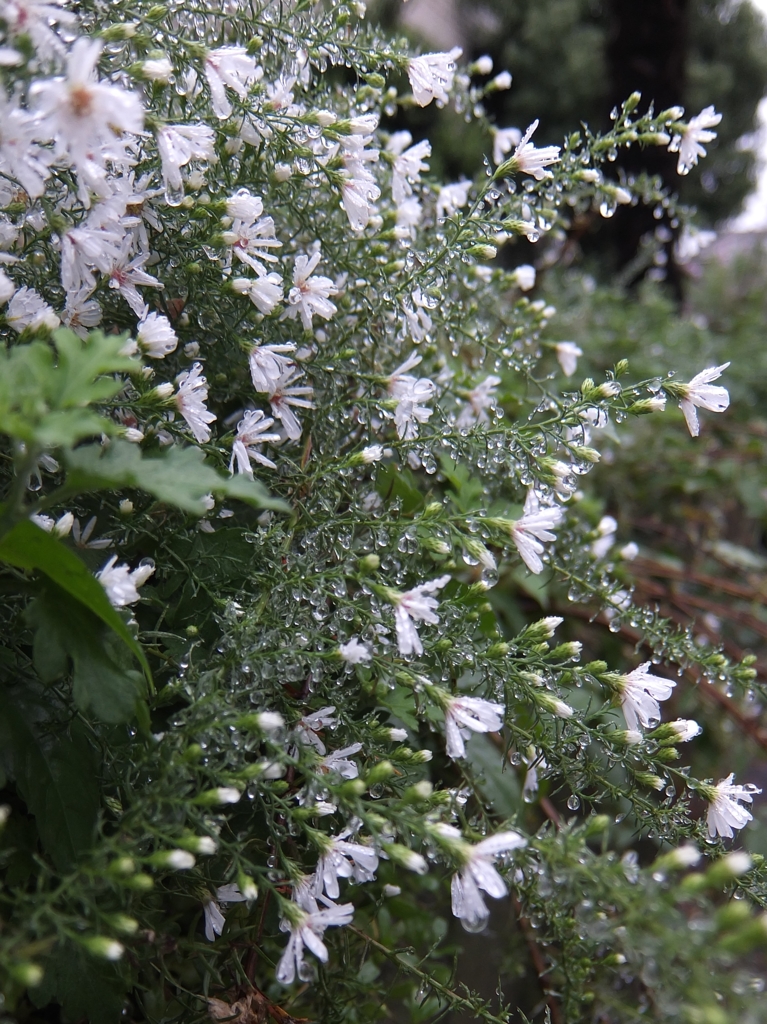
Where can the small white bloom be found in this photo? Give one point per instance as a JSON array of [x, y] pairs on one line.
[[310, 725], [688, 141], [469, 714], [190, 400], [504, 139], [373, 453], [725, 811], [179, 860], [285, 395], [265, 292], [478, 873], [629, 552], [155, 336], [310, 295], [28, 310], [535, 526], [480, 399], [640, 692], [338, 761], [390, 891], [227, 795], [483, 65], [607, 529], [412, 394], [452, 198], [251, 431], [700, 394], [397, 735], [501, 81], [121, 584], [180, 143], [306, 930], [158, 69], [415, 604], [354, 653], [530, 160], [233, 67], [408, 164], [268, 364], [431, 76], [524, 277], [567, 356], [81, 312], [343, 859], [126, 274], [214, 918]]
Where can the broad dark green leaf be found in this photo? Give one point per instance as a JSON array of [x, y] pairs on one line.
[[55, 770], [179, 476], [86, 988], [66, 630], [28, 547]]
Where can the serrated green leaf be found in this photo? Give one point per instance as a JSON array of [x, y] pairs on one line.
[[179, 476], [55, 770], [101, 685], [28, 547], [43, 401]]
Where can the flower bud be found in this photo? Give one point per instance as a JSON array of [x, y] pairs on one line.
[[483, 252], [205, 846], [644, 406], [649, 779], [380, 773], [571, 649], [419, 791], [122, 866], [498, 650], [140, 882], [27, 974], [686, 856], [626, 737], [107, 949], [587, 454], [549, 702], [248, 887], [178, 860], [421, 757], [397, 735], [729, 867], [220, 795], [123, 923], [369, 563], [406, 858]]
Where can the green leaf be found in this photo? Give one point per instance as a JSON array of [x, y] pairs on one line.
[[56, 773], [179, 476], [29, 547], [44, 401], [401, 702], [65, 630], [87, 989]]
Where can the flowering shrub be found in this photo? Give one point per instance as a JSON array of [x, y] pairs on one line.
[[274, 425]]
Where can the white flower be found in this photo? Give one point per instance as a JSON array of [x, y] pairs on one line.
[[190, 399], [408, 164], [724, 811], [7, 287], [607, 528], [359, 193], [338, 761], [688, 142], [412, 393], [699, 394], [250, 432], [85, 118], [309, 726], [480, 399], [306, 930], [343, 859], [27, 309], [567, 356], [264, 292], [155, 336], [479, 873], [629, 552], [252, 237], [534, 161], [685, 729], [535, 526], [501, 81], [229, 66], [60, 527], [504, 139], [310, 295], [469, 714], [81, 312], [524, 277], [431, 76], [640, 692], [414, 604], [34, 18], [121, 584], [214, 918], [285, 396], [268, 365], [20, 157], [177, 145], [452, 198], [409, 216], [125, 275], [483, 65], [354, 653]]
